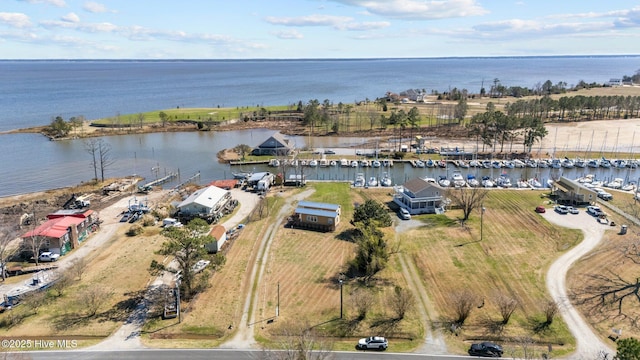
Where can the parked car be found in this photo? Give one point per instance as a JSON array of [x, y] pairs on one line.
[[404, 214], [329, 152], [540, 209], [487, 349], [572, 210], [594, 210], [373, 342], [561, 209], [48, 256]]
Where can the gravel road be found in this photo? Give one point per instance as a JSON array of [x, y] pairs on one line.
[[589, 345]]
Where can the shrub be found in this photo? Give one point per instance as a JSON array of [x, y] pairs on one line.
[[135, 230]]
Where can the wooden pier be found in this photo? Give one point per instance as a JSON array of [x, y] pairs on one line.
[[162, 180]]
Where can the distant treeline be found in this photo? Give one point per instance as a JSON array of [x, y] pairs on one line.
[[576, 108]]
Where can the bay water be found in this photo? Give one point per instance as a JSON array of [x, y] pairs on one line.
[[33, 92]]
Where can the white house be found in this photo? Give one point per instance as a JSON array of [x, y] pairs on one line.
[[206, 201], [419, 196]]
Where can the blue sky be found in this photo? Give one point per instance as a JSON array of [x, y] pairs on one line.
[[291, 29]]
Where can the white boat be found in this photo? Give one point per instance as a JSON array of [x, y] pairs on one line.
[[487, 182], [542, 163], [503, 181], [605, 163], [274, 162], [474, 163], [242, 175], [344, 162], [521, 184], [472, 181], [444, 182], [620, 164], [324, 163], [387, 163], [519, 163], [534, 183], [200, 265], [496, 164], [555, 163], [333, 163], [419, 163], [360, 181], [458, 180], [615, 183], [364, 163], [593, 163], [373, 182], [386, 180], [629, 187], [354, 164], [486, 164], [429, 180], [567, 163], [375, 163], [580, 163], [313, 163], [532, 163]]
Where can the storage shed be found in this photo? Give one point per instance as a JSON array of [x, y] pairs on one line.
[[219, 233]]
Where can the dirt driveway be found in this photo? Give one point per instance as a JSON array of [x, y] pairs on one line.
[[589, 345]]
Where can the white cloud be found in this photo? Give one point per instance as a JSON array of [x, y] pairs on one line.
[[94, 7], [71, 17], [58, 3], [336, 22], [419, 10], [17, 20], [288, 34], [84, 27], [310, 20]]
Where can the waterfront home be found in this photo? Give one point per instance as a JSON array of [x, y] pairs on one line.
[[571, 192], [276, 144], [208, 201], [420, 196], [63, 231]]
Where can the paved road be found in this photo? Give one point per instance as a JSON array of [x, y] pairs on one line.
[[219, 354]]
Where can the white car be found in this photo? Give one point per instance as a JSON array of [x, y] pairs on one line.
[[404, 214], [572, 210], [561, 209], [373, 342], [594, 210]]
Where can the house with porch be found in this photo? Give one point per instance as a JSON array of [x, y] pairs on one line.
[[63, 231], [207, 203], [419, 196], [316, 216]]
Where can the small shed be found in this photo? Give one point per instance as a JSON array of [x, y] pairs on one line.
[[219, 233], [571, 192]]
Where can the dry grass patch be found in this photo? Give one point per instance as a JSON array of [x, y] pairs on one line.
[[512, 260], [94, 306]]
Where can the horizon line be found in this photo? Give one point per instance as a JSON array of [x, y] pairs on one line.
[[327, 59]]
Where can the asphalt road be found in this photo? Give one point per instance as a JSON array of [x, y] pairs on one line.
[[218, 354]]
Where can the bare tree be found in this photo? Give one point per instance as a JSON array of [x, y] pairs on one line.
[[506, 306], [140, 118], [462, 302], [78, 266], [104, 155], [7, 235], [467, 199], [401, 302], [91, 146], [299, 343], [35, 242], [550, 311], [362, 300], [93, 298], [525, 349]]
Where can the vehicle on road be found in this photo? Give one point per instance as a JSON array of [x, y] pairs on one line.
[[48, 256], [487, 349], [561, 209], [540, 209], [329, 152], [572, 210], [373, 342], [404, 214]]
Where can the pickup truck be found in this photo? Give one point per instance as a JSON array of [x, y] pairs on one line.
[[48, 256]]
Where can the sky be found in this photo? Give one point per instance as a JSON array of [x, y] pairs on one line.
[[299, 29]]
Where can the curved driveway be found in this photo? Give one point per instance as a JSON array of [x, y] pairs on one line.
[[588, 344]]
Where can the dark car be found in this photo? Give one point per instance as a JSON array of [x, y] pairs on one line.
[[486, 349], [329, 152]]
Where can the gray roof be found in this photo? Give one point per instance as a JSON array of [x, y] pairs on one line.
[[316, 212], [276, 141], [318, 205]]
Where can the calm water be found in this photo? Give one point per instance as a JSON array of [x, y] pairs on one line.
[[32, 92]]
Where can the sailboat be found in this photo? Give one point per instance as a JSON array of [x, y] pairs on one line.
[[386, 180]]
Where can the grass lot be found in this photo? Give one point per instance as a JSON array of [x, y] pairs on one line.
[[512, 259], [612, 267], [119, 272]]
